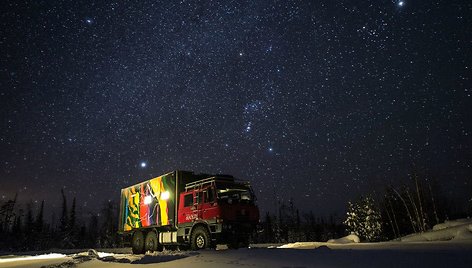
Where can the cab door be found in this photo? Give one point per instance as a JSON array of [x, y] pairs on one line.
[[187, 210], [209, 209]]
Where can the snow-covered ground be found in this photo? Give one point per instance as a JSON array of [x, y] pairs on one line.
[[450, 230], [447, 245], [422, 254]]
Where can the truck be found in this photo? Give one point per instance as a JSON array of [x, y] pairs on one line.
[[187, 210]]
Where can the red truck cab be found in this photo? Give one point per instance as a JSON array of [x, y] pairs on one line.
[[223, 206]]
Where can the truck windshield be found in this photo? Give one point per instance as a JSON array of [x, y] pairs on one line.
[[234, 193]]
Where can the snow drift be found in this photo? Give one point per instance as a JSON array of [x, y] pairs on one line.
[[460, 229], [352, 238]]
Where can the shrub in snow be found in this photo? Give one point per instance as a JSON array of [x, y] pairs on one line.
[[363, 219]]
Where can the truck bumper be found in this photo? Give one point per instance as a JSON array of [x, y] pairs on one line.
[[233, 233]]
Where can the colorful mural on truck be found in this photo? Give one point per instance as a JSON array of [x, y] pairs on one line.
[[149, 203]]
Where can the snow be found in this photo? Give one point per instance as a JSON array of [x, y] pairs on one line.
[[301, 254], [453, 223], [429, 249], [29, 258], [33, 261], [352, 238], [450, 230]]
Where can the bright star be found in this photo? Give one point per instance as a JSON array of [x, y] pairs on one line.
[[143, 164], [248, 126], [271, 149], [401, 3], [89, 21]]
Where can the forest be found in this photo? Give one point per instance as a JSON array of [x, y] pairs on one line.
[[413, 207]]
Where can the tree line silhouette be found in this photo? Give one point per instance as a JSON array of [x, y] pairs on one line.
[[413, 207], [22, 229]]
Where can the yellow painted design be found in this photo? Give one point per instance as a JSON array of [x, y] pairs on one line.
[[158, 188]]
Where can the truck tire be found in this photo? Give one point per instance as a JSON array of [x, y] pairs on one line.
[[137, 242], [200, 238], [150, 243]]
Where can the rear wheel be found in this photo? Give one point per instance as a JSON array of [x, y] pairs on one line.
[[151, 242], [137, 242], [200, 238]]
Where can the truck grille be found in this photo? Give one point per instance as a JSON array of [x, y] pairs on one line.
[[242, 215]]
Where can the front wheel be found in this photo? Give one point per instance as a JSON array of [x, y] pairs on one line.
[[200, 238], [137, 242]]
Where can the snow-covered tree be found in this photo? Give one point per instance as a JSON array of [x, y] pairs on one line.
[[363, 219], [352, 221]]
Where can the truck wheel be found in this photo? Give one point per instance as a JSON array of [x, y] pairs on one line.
[[200, 238], [150, 244], [137, 242]]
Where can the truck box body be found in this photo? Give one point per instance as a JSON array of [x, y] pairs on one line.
[[153, 203]]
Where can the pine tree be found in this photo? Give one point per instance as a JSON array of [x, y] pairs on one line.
[[73, 232], [16, 238], [7, 214], [29, 217], [364, 220], [353, 220], [64, 225], [39, 219], [93, 231], [108, 230], [72, 215], [268, 228], [64, 221]]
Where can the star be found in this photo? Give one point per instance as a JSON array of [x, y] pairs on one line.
[[248, 126], [89, 21], [401, 3], [143, 164], [271, 149]]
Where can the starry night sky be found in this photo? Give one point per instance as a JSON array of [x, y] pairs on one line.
[[321, 101]]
